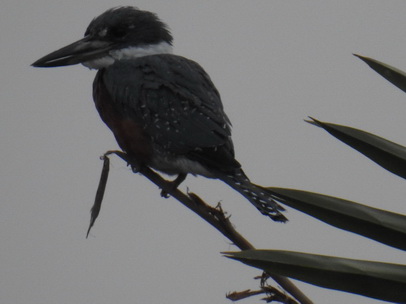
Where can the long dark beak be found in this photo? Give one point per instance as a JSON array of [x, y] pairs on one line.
[[78, 52]]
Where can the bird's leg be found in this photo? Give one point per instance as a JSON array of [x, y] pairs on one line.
[[134, 164], [170, 186], [135, 169]]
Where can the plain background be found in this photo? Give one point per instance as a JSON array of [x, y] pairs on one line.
[[274, 63]]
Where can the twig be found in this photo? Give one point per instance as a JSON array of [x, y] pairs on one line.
[[99, 193], [214, 216], [240, 295]]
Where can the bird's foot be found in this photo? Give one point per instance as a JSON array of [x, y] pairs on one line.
[[173, 185], [134, 169]]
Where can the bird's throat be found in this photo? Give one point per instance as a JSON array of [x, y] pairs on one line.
[[130, 52]]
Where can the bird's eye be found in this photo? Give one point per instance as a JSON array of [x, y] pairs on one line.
[[118, 32]]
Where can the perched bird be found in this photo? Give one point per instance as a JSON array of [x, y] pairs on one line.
[[163, 109]]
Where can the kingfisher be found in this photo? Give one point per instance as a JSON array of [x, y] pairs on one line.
[[163, 109]]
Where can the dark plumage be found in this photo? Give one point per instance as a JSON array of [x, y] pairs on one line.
[[163, 109], [173, 98]]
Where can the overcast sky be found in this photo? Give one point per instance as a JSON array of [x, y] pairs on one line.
[[274, 63]]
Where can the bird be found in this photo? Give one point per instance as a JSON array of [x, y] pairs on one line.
[[163, 109]]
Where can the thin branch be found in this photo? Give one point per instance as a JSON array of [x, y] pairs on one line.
[[213, 215], [271, 293]]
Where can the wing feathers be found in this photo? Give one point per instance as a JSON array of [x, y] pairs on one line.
[[176, 103]]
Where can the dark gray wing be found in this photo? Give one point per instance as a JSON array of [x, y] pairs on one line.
[[177, 104]]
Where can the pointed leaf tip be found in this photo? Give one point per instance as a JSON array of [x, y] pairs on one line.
[[395, 76], [313, 121]]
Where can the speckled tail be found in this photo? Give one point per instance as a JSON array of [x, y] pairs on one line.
[[255, 194]]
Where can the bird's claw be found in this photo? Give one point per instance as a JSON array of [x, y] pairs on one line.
[[164, 194], [172, 186], [134, 169], [169, 187]]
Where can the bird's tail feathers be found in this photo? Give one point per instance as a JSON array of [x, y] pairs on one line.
[[257, 195]]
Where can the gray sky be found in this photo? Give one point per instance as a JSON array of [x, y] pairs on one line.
[[274, 63]]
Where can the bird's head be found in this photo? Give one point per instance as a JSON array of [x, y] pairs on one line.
[[119, 33]]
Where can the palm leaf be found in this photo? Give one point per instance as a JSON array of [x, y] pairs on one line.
[[383, 226], [394, 75], [387, 154], [372, 279]]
